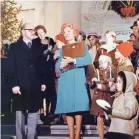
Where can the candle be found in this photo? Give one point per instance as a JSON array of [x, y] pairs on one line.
[[44, 106], [98, 75], [110, 73]]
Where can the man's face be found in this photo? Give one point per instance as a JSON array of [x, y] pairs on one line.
[[41, 34], [92, 40], [135, 30], [28, 32]]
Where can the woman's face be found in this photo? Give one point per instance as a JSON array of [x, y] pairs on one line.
[[69, 34], [118, 55], [41, 34], [119, 84], [92, 40], [103, 65], [135, 30], [132, 38]]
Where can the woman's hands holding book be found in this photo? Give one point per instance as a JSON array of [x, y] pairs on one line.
[[67, 60]]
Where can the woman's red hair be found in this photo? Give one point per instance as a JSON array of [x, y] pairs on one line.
[[40, 27], [72, 26]]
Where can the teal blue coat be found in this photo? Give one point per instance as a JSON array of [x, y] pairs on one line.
[[72, 93]]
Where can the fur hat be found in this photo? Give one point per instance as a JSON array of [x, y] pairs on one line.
[[61, 38], [82, 33], [94, 34], [105, 57], [134, 24], [125, 48]]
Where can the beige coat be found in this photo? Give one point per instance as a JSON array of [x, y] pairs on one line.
[[125, 109], [125, 66]]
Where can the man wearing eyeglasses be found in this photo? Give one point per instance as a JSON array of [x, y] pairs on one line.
[[27, 80]]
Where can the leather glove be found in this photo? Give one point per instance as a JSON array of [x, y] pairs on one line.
[[92, 85]]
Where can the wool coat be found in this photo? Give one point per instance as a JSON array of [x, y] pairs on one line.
[[72, 93], [26, 70]]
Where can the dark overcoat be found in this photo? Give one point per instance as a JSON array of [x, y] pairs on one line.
[[26, 70]]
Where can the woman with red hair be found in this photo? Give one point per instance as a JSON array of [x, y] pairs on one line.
[[72, 98]]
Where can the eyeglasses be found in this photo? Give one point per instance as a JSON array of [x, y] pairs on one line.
[[30, 30]]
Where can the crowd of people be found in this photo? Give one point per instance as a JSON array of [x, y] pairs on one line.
[[44, 82]]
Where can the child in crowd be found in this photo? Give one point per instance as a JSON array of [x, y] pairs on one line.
[[109, 47], [122, 54], [60, 41], [105, 75], [124, 111]]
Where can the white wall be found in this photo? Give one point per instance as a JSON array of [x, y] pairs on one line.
[[87, 15], [52, 14]]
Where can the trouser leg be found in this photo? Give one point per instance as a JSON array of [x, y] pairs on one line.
[[31, 125], [20, 125]]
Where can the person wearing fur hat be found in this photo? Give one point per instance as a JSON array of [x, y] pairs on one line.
[[94, 44], [124, 111], [81, 36], [123, 51], [72, 98], [100, 85], [109, 46]]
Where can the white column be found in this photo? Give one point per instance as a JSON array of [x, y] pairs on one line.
[[53, 16], [58, 13], [72, 12]]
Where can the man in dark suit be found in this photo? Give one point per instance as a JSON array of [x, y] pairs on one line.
[[26, 68]]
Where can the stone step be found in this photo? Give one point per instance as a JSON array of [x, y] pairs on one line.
[[56, 137], [44, 130], [52, 137]]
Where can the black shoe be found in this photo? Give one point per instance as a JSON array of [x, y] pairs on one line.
[[55, 121], [51, 115], [105, 135]]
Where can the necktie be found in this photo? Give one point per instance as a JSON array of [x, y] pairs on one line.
[[29, 44]]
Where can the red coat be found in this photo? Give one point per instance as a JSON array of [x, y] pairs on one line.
[[103, 93]]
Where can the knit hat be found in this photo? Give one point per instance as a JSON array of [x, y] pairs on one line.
[[105, 57], [94, 34], [61, 38], [125, 48]]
